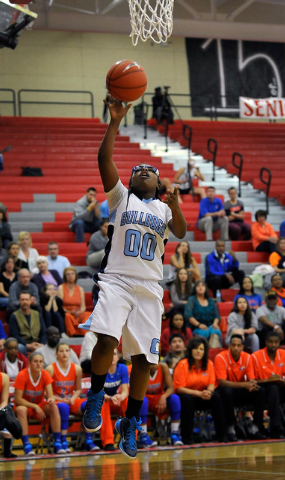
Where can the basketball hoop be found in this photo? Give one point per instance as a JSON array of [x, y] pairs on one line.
[[151, 19]]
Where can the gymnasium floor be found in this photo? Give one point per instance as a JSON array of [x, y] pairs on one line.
[[258, 461]]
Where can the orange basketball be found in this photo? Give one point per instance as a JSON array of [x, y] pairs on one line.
[[126, 81]]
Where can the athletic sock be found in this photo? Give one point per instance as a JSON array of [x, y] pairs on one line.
[[7, 447], [25, 439], [63, 438], [57, 437], [143, 428], [174, 426], [133, 408], [97, 382]]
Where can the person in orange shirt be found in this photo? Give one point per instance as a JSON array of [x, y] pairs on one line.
[[277, 259], [264, 238], [237, 386], [194, 381], [276, 282], [269, 370], [31, 386]]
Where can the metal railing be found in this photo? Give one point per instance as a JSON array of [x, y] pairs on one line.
[[267, 183], [10, 102], [213, 150], [239, 167]]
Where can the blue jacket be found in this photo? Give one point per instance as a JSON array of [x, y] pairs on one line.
[[206, 206], [213, 265]]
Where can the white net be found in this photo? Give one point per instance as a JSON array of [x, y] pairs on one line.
[[151, 19]]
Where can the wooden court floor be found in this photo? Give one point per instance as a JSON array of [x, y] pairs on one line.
[[238, 462]]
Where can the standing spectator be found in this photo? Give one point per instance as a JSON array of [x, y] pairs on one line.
[[27, 253], [11, 360], [194, 381], [184, 178], [7, 277], [86, 215], [97, 244], [55, 261], [181, 288], [247, 291], [161, 108], [264, 239], [183, 258], [212, 216], [277, 259], [8, 420], [5, 230], [52, 308], [13, 250], [276, 282], [46, 276], [222, 269], [48, 351], [243, 321], [270, 317], [177, 324], [73, 298], [89, 342], [23, 284], [235, 212]]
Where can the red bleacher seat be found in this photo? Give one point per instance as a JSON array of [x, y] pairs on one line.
[[225, 308], [213, 352], [76, 349], [228, 294]]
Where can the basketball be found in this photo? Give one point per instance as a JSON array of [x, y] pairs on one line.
[[126, 81]]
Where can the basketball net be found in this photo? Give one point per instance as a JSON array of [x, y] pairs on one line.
[[151, 19]]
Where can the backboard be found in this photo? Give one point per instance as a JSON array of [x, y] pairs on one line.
[[13, 18]]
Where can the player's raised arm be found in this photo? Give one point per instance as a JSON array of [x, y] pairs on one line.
[[107, 168]]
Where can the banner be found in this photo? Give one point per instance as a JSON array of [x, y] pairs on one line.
[[262, 107]]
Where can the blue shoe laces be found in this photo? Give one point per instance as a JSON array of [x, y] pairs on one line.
[[93, 406], [130, 433]]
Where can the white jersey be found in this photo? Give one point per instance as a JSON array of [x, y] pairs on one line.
[[138, 235]]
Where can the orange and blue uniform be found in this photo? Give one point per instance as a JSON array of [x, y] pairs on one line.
[[64, 385], [33, 391]]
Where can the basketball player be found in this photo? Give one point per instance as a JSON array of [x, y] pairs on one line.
[[130, 298]]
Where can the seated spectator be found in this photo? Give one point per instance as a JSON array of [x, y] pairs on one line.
[[181, 288], [276, 285], [243, 321], [222, 269], [13, 250], [34, 399], [8, 420], [270, 317], [73, 298], [48, 351], [3, 336], [11, 360], [23, 284], [55, 261], [277, 259], [27, 253], [238, 387], [212, 216], [161, 108], [177, 324], [176, 351], [264, 239], [67, 389], [269, 371], [89, 342], [46, 276], [97, 244], [183, 258], [184, 178], [5, 230], [52, 308], [86, 215], [235, 212], [27, 326], [194, 381], [247, 291], [201, 312], [7, 277], [162, 401]]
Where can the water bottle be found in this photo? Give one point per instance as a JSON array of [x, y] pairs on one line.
[[218, 296]]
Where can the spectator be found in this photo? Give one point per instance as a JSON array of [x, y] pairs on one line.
[[86, 215], [276, 282], [238, 387], [222, 269], [247, 291], [73, 298], [177, 324], [13, 250], [161, 108], [269, 369], [97, 244], [48, 351], [264, 239], [277, 259], [27, 326], [23, 284], [32, 386], [46, 276], [202, 313], [27, 253], [176, 350], [212, 216], [11, 360], [52, 308], [235, 212], [55, 261], [89, 342], [183, 258], [243, 321], [8, 420], [3, 336], [5, 230], [181, 288], [7, 277], [194, 381], [184, 178], [270, 317]]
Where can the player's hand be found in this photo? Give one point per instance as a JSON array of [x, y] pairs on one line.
[[171, 198], [230, 278], [40, 413], [117, 109], [161, 406], [206, 395]]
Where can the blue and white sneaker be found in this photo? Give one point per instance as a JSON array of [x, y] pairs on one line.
[[65, 446], [91, 447], [127, 430], [145, 441], [58, 448], [176, 440], [28, 450], [92, 420]]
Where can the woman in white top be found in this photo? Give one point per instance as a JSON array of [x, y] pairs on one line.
[[243, 321], [27, 253]]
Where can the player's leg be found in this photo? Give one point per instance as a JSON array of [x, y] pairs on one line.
[[174, 406], [64, 411], [22, 415], [52, 412], [144, 440]]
